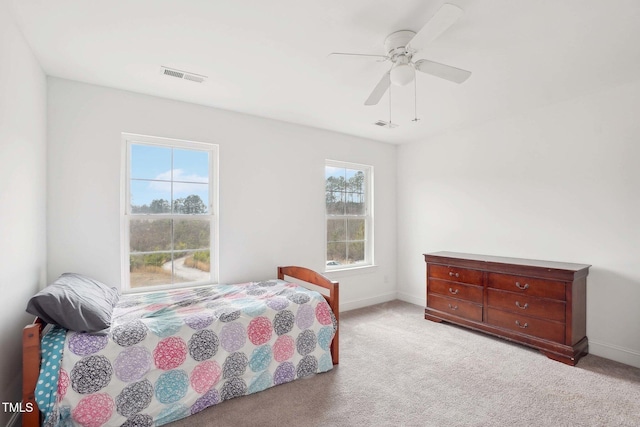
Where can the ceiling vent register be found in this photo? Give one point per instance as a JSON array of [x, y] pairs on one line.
[[384, 124], [185, 75]]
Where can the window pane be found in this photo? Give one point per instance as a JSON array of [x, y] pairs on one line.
[[147, 235], [150, 197], [159, 269], [150, 162], [335, 202], [356, 252], [194, 266], [354, 204], [355, 229], [191, 234], [336, 231], [190, 186], [335, 186], [354, 180], [150, 269], [186, 268], [336, 253], [190, 199], [190, 165], [335, 178]]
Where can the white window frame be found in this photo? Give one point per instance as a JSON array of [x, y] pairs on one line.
[[127, 140], [368, 216]]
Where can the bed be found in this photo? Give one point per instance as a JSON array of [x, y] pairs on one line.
[[170, 354]]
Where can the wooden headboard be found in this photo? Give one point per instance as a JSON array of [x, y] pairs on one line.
[[315, 278]]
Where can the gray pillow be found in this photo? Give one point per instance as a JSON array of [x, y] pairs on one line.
[[75, 302]]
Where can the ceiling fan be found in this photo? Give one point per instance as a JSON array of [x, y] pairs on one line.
[[402, 45]]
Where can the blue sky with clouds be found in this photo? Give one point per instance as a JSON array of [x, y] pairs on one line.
[[155, 168]]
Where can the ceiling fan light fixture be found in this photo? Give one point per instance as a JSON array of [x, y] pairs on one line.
[[400, 48], [402, 74]]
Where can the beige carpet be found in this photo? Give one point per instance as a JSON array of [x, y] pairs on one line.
[[397, 369]]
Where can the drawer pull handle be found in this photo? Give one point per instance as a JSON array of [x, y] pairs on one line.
[[523, 287], [451, 273], [453, 307], [524, 307], [454, 292], [526, 325]]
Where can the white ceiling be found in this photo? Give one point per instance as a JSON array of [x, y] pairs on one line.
[[270, 57]]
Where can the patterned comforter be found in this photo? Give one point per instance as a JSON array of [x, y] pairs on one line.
[[170, 354]]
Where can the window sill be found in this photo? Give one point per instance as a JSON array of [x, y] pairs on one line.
[[351, 271], [162, 288]]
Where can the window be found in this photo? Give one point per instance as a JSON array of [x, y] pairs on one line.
[[170, 221], [348, 189]]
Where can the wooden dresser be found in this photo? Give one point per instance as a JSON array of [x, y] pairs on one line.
[[540, 304]]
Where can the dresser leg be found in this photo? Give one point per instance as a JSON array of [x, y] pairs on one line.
[[566, 360], [580, 349]]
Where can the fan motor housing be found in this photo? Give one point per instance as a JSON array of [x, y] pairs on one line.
[[395, 44]]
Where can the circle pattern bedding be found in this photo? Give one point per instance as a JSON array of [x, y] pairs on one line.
[[170, 354]]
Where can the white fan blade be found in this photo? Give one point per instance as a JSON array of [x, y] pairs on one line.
[[445, 17], [443, 71], [382, 57], [379, 90]]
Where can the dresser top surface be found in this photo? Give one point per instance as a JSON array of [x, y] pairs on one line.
[[568, 266]]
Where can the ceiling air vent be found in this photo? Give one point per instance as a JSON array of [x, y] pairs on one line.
[[185, 75], [384, 124]]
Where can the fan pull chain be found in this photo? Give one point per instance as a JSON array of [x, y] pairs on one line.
[[390, 99], [415, 100]]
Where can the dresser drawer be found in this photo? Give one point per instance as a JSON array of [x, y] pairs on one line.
[[545, 329], [529, 306], [456, 290], [455, 274], [527, 286], [457, 307]]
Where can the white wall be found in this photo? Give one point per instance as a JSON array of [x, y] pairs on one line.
[[271, 187], [559, 183], [22, 196]]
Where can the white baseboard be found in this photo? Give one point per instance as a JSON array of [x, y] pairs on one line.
[[365, 302], [402, 296], [614, 352]]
